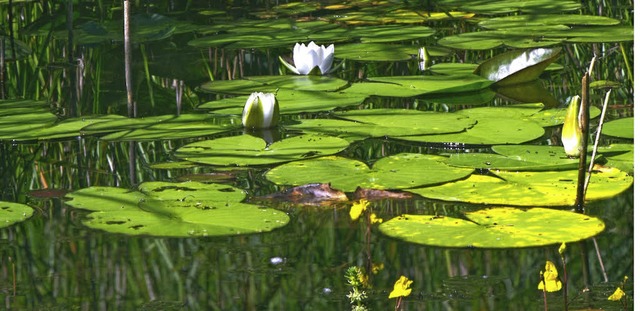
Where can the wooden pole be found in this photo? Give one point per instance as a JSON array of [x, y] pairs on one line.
[[584, 128]]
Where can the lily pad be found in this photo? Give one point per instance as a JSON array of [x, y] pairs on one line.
[[549, 188], [249, 85], [622, 128], [375, 52], [14, 125], [508, 6], [249, 150], [400, 171], [66, 129], [174, 209], [408, 86], [517, 67], [11, 213], [291, 101], [167, 127], [620, 156], [495, 228], [495, 126], [517, 158]]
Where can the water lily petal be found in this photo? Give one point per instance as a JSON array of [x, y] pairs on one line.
[[261, 111], [326, 58], [304, 59]]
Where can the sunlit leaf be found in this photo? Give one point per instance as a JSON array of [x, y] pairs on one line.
[[550, 188], [394, 172], [494, 228], [249, 85], [11, 213]]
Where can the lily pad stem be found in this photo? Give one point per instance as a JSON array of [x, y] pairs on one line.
[[584, 127]]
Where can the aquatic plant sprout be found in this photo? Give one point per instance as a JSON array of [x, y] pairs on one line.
[[571, 132], [261, 111], [308, 57]]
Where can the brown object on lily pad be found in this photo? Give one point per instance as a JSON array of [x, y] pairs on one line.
[[375, 194], [309, 194]]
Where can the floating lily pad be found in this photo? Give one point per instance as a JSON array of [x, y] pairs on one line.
[[620, 156], [517, 67], [14, 125], [249, 85], [517, 158], [547, 19], [400, 171], [508, 6], [174, 209], [11, 213], [408, 86], [291, 101], [375, 52], [391, 33], [622, 128], [249, 150], [495, 228], [66, 129], [549, 188], [167, 127], [495, 126]]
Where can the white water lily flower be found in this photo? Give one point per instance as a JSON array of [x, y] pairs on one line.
[[306, 58], [261, 111]]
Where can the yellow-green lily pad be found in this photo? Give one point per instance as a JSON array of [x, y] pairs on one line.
[[548, 188], [11, 213], [495, 228]]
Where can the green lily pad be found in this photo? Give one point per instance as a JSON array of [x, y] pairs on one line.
[[174, 209], [11, 213], [400, 171], [517, 67], [167, 127], [408, 86], [620, 156], [391, 33], [249, 150], [546, 19], [517, 158], [508, 6], [375, 52], [622, 128], [66, 129], [495, 228], [291, 101], [249, 85], [495, 126], [14, 125], [549, 188]]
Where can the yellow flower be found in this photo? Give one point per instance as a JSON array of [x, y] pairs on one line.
[[562, 248], [617, 295], [373, 219], [357, 208], [401, 288], [550, 282], [376, 267]]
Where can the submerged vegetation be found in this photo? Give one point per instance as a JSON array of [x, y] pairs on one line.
[[162, 155]]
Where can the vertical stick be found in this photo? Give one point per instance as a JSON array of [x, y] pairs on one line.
[[131, 108], [2, 59], [584, 128]]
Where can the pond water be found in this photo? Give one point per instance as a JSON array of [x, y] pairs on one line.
[[64, 136]]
